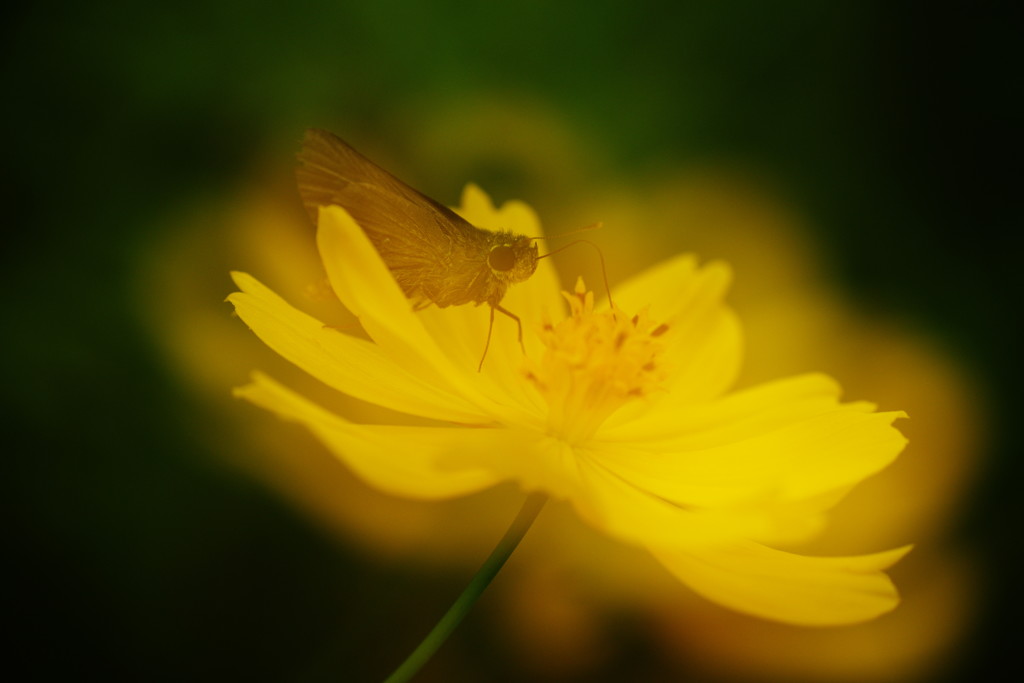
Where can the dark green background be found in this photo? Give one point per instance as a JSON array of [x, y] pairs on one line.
[[132, 555]]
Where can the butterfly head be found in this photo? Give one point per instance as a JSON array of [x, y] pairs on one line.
[[513, 259]]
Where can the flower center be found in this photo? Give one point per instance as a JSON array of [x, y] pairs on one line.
[[593, 363]]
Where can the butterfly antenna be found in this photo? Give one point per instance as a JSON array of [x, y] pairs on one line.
[[600, 255], [587, 228]]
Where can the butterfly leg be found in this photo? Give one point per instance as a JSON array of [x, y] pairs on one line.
[[490, 329], [519, 323], [487, 344]]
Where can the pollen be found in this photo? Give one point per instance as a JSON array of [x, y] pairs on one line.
[[595, 362]]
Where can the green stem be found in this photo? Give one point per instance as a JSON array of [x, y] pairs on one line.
[[488, 570]]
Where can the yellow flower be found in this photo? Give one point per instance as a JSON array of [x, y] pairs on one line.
[[623, 413]]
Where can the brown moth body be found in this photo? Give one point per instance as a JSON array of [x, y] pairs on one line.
[[436, 256]]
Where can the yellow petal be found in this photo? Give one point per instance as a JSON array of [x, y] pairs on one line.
[[638, 516], [534, 301], [665, 288], [416, 462], [353, 366], [537, 300], [461, 331], [785, 442], [704, 356], [629, 513], [704, 341], [365, 286], [664, 423], [476, 206], [808, 591]]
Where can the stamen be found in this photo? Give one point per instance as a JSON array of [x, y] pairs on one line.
[[593, 364]]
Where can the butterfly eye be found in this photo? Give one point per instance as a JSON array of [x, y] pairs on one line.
[[502, 258]]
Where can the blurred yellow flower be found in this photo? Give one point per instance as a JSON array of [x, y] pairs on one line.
[[623, 413]]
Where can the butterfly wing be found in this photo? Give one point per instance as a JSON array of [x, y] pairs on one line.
[[422, 242]]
